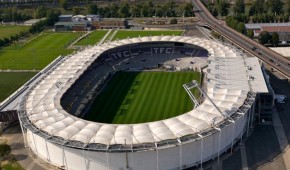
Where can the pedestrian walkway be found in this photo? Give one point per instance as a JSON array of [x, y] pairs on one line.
[[24, 157], [78, 39], [282, 139]]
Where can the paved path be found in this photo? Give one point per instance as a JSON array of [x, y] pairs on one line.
[[19, 71], [25, 157], [78, 39]]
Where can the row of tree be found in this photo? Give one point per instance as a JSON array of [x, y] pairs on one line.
[[236, 24], [220, 7], [266, 38], [258, 7], [145, 9], [266, 6], [51, 18], [12, 15], [12, 38], [266, 18]]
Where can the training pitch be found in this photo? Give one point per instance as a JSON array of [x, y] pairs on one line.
[[11, 81], [138, 97], [37, 52]]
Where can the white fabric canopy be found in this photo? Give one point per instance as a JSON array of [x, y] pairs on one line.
[[228, 93]]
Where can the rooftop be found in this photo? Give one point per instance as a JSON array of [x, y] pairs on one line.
[[228, 89], [65, 16], [276, 29], [258, 83], [259, 25]]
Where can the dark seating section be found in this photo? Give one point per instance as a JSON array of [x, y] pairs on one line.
[[84, 89]]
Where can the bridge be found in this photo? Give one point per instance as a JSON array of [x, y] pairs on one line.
[[275, 60]]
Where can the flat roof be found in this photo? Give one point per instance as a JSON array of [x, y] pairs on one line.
[[258, 83], [71, 23], [276, 29], [259, 25], [65, 16]]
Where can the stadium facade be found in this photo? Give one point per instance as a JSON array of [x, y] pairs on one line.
[[49, 113]]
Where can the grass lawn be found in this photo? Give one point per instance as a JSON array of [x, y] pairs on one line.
[[92, 38], [136, 97], [38, 52], [10, 82], [122, 34], [12, 165], [8, 30]]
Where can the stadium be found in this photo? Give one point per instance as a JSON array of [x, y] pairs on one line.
[[51, 112]]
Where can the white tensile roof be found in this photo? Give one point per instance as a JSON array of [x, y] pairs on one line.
[[227, 86]]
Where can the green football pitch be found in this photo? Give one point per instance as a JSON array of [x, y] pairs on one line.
[[38, 52], [138, 97], [11, 81], [92, 38], [8, 30]]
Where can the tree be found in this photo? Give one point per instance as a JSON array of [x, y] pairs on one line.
[[63, 4], [124, 10], [151, 8], [135, 11], [213, 9], [255, 18], [241, 28], [40, 12], [276, 6], [169, 9], [286, 17], [93, 9], [275, 38], [4, 150], [113, 10], [159, 11], [239, 7], [223, 6], [76, 10], [52, 17], [145, 10], [258, 7], [186, 10], [250, 34], [263, 37], [288, 7]]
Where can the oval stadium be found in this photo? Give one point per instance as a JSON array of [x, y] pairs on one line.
[[56, 121]]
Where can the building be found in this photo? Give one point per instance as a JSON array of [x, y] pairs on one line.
[[92, 17], [211, 128], [78, 18], [110, 24], [65, 18], [283, 29], [72, 26]]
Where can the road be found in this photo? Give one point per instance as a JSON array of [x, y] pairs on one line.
[[268, 56]]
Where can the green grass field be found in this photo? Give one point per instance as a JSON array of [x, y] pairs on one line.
[[10, 82], [136, 97], [93, 38], [122, 34], [37, 53], [8, 30]]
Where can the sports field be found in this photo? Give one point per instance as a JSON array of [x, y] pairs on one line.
[[136, 97], [38, 52], [123, 34], [10, 82], [93, 38], [8, 30]]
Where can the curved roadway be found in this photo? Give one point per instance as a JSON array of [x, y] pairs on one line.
[[268, 56]]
